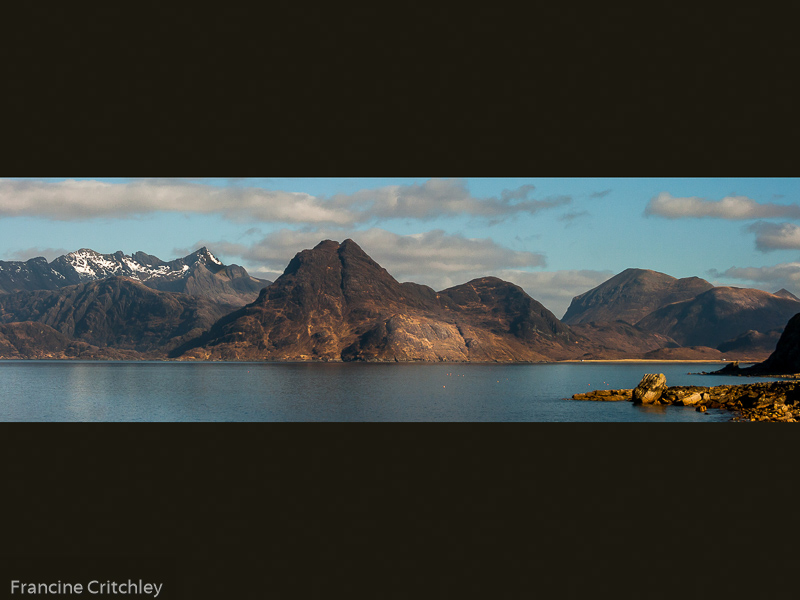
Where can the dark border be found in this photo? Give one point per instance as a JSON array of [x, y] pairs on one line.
[[401, 510]]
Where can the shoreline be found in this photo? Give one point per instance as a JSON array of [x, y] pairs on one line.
[[652, 360], [763, 401], [430, 362]]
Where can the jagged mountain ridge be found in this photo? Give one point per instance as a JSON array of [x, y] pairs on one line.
[[198, 274]]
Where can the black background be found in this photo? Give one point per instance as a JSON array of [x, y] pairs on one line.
[[401, 510]]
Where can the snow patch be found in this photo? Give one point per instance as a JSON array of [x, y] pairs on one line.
[[213, 258], [92, 265]]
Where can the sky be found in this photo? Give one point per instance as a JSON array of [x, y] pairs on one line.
[[554, 237]]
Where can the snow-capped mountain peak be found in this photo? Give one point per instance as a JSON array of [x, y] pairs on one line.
[[91, 265], [198, 274], [204, 256]]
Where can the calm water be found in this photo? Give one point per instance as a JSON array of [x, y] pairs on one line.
[[165, 391]]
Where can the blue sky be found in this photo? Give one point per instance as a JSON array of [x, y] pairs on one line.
[[556, 237]]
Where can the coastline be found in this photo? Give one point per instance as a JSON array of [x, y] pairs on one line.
[[763, 401], [649, 360], [431, 362]]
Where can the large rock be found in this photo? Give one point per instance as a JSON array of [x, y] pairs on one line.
[[650, 388]]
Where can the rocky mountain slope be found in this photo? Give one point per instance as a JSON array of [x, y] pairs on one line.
[[713, 321], [31, 340], [721, 314], [618, 339], [198, 274], [335, 303], [116, 312], [632, 295]]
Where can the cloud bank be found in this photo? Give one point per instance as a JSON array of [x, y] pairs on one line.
[[434, 258], [730, 207], [73, 200]]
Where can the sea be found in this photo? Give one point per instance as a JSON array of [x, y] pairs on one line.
[[145, 391]]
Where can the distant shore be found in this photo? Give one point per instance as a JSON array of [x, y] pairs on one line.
[[431, 362], [651, 360]]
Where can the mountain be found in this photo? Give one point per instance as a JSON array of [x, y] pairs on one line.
[[632, 295], [198, 274], [719, 315], [334, 302], [115, 312], [33, 274], [784, 293]]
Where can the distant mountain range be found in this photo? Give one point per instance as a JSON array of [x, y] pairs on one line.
[[690, 311], [198, 274], [333, 302]]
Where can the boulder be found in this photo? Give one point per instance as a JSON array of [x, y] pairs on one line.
[[693, 399], [650, 388], [605, 395]]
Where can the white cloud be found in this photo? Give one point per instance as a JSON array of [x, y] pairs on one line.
[[730, 207], [776, 236], [87, 199]]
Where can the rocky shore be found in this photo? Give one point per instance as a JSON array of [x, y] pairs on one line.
[[766, 401]]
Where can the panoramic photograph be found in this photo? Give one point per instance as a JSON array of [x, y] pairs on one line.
[[400, 299]]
